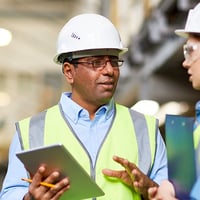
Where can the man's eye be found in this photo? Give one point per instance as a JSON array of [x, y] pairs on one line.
[[114, 61], [97, 62]]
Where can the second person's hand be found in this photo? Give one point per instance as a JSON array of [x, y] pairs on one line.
[[164, 192]]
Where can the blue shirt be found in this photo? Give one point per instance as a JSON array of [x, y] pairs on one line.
[[90, 132]]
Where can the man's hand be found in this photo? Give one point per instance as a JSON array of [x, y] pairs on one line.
[[132, 176], [39, 192]]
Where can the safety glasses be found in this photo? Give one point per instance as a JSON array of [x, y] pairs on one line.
[[190, 52]]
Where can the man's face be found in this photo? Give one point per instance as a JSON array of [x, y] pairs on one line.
[[93, 85], [192, 60]]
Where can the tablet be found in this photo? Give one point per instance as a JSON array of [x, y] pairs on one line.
[[57, 157], [180, 153]]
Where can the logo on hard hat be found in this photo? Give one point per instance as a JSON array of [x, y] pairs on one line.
[[73, 35]]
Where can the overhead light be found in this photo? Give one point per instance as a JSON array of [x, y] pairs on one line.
[[172, 107], [5, 37], [146, 107], [175, 108]]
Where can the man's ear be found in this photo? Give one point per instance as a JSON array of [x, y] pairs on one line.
[[68, 69]]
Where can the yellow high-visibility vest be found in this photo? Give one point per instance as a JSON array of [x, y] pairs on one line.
[[132, 135]]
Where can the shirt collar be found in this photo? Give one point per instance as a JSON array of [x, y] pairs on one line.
[[74, 112]]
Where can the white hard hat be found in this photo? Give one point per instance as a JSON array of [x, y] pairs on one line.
[[192, 23], [87, 35]]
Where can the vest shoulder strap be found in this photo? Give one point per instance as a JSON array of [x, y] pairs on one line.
[[145, 130]]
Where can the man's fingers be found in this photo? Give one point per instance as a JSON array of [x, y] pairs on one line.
[[112, 173]]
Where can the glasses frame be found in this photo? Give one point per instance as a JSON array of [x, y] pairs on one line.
[[100, 63]]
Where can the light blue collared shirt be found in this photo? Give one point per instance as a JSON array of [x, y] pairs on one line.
[[91, 134]]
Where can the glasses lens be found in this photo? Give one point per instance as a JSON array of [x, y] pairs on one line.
[[102, 63], [188, 50], [116, 62], [120, 63], [98, 63]]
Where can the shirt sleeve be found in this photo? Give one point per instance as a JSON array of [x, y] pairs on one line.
[[13, 187], [159, 170]]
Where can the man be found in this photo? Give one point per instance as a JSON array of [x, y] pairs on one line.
[[122, 149], [191, 52]]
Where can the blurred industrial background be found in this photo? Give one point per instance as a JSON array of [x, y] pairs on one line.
[[152, 73]]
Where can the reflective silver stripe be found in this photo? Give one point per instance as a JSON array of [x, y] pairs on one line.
[[36, 130], [143, 141], [19, 134]]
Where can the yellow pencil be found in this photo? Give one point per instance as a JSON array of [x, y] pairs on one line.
[[41, 183]]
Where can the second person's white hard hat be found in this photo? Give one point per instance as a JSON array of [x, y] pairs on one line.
[[87, 34], [192, 23]]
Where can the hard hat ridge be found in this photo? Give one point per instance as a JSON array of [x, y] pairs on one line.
[[192, 23]]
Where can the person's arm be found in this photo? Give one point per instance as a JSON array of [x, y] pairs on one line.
[[13, 184], [159, 171]]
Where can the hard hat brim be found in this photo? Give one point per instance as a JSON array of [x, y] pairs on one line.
[[185, 33], [181, 33], [91, 52]]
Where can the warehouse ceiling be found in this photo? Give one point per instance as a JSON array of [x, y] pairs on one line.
[[34, 25], [155, 58], [155, 54]]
